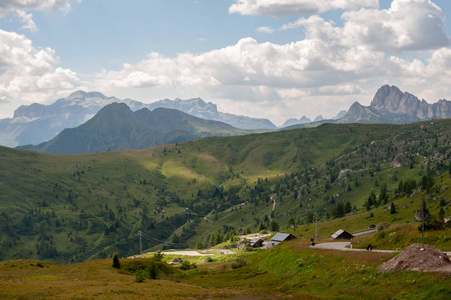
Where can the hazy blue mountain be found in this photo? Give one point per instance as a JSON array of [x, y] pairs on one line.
[[36, 123], [340, 115], [117, 127], [318, 118], [294, 121], [199, 108]]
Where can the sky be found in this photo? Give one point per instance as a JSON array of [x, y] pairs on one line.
[[274, 59]]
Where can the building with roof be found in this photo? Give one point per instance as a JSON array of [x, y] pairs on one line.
[[342, 234], [282, 237]]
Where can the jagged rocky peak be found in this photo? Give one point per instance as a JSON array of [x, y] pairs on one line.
[[304, 119], [294, 121], [318, 118], [391, 99]]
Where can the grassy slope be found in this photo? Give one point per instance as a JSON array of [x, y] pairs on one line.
[[101, 182], [294, 270], [290, 270]]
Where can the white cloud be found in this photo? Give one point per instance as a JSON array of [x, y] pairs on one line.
[[28, 74], [19, 8], [265, 29], [27, 19], [341, 89], [406, 25], [7, 7], [281, 8], [336, 64]]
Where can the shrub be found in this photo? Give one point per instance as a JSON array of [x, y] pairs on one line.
[[152, 271], [238, 263], [139, 277], [116, 262], [158, 256], [186, 265]]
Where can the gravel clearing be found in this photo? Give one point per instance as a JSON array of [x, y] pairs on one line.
[[418, 257]]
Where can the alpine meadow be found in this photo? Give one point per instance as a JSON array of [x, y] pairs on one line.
[[239, 149]]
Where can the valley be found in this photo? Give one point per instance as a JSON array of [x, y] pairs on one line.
[[71, 208]]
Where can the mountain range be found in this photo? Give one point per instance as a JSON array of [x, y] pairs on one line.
[[117, 127], [36, 123]]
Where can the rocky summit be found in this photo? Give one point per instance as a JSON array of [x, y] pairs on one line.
[[390, 105]]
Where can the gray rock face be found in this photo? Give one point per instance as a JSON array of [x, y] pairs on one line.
[[390, 105]]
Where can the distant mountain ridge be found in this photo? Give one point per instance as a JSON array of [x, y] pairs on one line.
[[209, 111], [117, 127], [36, 123], [390, 105], [294, 121]]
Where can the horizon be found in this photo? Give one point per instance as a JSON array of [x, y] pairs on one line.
[[284, 60]]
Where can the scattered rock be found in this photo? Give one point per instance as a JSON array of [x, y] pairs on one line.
[[418, 257], [400, 160], [177, 260], [242, 244]]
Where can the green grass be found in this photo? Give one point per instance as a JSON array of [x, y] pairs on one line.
[[291, 269], [107, 189]]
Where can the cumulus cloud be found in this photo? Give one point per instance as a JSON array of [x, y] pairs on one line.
[[406, 25], [331, 62], [7, 7], [265, 29], [20, 7], [282, 8], [29, 74], [27, 19]]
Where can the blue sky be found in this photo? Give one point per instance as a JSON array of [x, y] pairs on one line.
[[282, 58]]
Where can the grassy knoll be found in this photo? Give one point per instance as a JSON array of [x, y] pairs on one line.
[[290, 270]]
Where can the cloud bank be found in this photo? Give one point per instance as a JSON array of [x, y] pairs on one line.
[[29, 74], [283, 8]]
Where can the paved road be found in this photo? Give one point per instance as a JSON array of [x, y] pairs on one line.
[[189, 253], [343, 246]]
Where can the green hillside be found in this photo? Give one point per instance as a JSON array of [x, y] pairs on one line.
[[68, 208]]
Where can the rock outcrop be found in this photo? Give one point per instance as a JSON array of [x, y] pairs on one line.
[[390, 105]]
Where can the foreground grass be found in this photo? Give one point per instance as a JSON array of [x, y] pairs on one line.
[[27, 279], [290, 270], [294, 270]]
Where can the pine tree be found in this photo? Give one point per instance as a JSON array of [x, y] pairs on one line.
[[116, 262], [392, 209]]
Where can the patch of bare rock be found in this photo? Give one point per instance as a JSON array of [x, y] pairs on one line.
[[418, 257]]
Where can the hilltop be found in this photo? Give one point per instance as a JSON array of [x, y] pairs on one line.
[[117, 127], [66, 208]]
